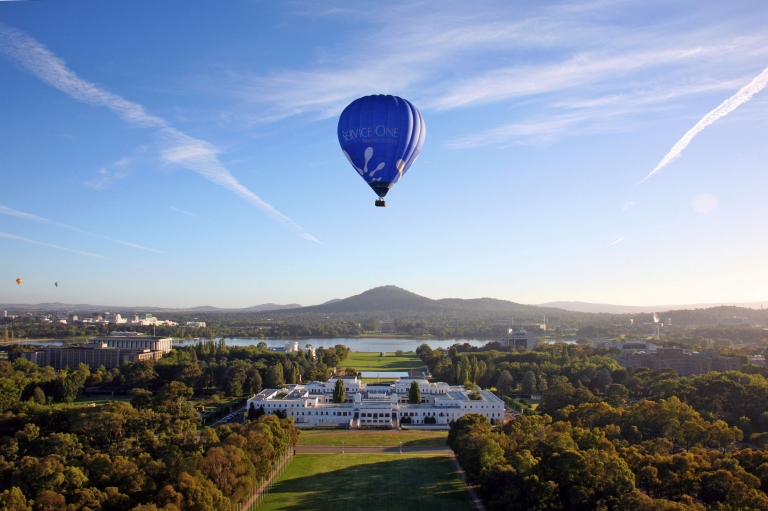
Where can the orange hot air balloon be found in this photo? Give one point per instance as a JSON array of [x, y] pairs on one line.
[[18, 281]]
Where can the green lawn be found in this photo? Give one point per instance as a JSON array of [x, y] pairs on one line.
[[376, 438], [365, 361], [100, 399], [371, 482]]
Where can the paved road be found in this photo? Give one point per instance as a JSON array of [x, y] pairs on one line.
[[334, 449]]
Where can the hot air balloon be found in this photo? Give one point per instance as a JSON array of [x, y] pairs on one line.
[[56, 284], [18, 281], [381, 136]]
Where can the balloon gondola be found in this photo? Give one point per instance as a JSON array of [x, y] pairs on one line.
[[381, 136]]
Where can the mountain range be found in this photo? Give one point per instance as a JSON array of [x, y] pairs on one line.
[[393, 298], [629, 309]]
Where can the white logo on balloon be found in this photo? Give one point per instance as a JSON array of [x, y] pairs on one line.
[[364, 170]]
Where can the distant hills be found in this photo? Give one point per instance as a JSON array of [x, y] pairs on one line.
[[392, 299], [85, 307], [629, 309]]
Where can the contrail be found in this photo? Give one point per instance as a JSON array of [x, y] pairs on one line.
[[726, 107], [196, 155], [27, 240], [4, 210], [617, 241]]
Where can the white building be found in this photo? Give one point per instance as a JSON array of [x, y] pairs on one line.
[[196, 324], [734, 321], [519, 339], [377, 405]]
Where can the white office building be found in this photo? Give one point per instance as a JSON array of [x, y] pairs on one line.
[[519, 339], [377, 405]]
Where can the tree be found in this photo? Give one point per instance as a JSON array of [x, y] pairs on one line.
[[14, 500], [171, 398], [254, 413], [339, 394], [528, 385], [414, 393], [275, 377], [603, 378], [141, 398], [505, 383], [616, 394]]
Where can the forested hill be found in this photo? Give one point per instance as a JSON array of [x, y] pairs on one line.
[[394, 299]]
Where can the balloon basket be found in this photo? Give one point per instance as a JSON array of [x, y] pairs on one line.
[[381, 203]]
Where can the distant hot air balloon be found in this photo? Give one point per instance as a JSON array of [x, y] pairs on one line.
[[57, 284], [18, 281], [381, 136]]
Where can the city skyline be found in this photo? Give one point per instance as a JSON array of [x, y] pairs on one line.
[[197, 164]]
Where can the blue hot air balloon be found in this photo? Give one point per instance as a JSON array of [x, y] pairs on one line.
[[381, 136]]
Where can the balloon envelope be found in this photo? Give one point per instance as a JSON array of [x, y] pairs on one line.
[[18, 281], [381, 136], [57, 284]]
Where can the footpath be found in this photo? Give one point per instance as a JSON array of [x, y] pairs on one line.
[[261, 489], [370, 449], [476, 502]]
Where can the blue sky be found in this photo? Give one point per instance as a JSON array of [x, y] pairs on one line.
[[184, 153]]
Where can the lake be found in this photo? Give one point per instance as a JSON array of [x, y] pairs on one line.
[[363, 344]]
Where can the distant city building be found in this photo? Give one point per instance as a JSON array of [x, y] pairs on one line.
[[684, 362], [387, 327], [668, 322], [92, 354], [135, 341], [195, 324], [519, 339], [734, 321], [377, 405], [625, 345], [630, 322]]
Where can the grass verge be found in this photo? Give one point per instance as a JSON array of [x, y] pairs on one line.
[[365, 361], [373, 438], [347, 482]]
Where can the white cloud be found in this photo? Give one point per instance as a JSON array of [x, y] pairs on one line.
[[182, 149], [4, 210], [704, 203], [49, 245], [628, 205]]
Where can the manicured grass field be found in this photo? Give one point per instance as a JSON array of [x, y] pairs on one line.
[[99, 400], [374, 438], [371, 482], [365, 361]]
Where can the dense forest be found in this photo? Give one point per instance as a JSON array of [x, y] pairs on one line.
[[150, 451], [606, 438]]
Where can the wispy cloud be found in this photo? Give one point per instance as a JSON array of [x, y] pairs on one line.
[[726, 107], [120, 170], [49, 245], [179, 148], [4, 210], [617, 241], [578, 115], [628, 205], [188, 213], [577, 71]]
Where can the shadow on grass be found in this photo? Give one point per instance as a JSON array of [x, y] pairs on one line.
[[408, 483]]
